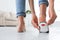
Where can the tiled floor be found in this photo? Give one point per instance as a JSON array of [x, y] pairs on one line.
[[10, 33]]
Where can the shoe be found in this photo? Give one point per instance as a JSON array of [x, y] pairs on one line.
[[43, 27]]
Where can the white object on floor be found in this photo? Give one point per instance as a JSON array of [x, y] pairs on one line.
[[43, 27]]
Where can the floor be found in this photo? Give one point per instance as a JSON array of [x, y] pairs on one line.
[[10, 33]]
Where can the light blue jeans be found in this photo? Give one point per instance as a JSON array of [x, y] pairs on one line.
[[20, 6]]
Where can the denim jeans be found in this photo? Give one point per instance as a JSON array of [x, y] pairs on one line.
[[43, 2], [20, 6]]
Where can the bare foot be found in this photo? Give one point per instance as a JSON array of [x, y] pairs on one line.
[[21, 28], [35, 21], [52, 16], [21, 24]]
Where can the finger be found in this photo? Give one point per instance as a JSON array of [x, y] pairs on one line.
[[35, 24]]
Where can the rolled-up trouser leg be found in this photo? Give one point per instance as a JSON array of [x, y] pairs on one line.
[[20, 8], [43, 2]]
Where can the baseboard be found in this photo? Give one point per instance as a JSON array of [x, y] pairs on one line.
[[1, 25], [7, 25]]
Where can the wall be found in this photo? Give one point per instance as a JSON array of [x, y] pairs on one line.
[[9, 6]]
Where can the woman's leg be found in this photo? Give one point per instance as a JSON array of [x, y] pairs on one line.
[[52, 13], [34, 17], [42, 16], [20, 8], [43, 5]]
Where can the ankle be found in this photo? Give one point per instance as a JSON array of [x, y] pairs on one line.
[[42, 19], [21, 20], [33, 15]]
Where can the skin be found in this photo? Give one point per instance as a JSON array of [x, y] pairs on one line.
[[42, 15], [52, 13], [21, 24], [34, 20]]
